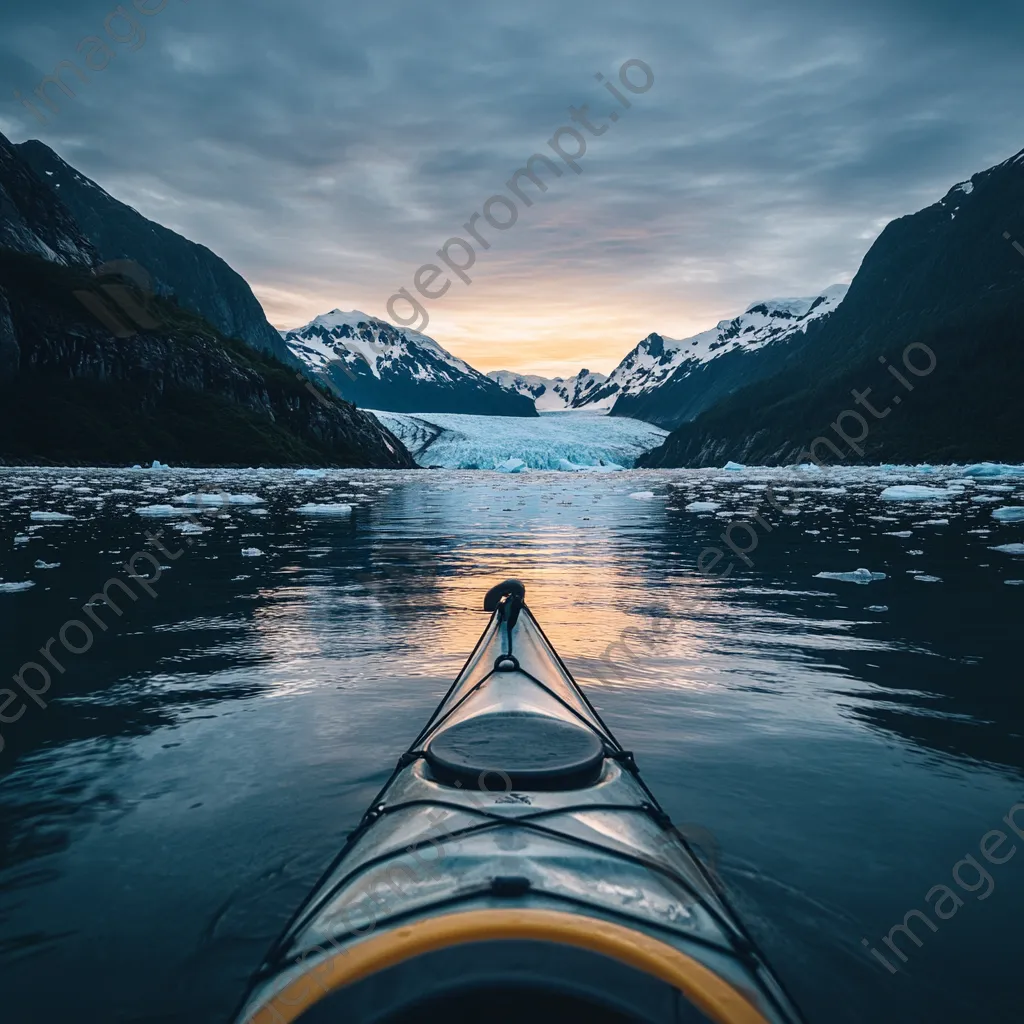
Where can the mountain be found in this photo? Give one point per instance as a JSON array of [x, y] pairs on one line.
[[72, 392], [939, 302], [380, 366], [551, 394], [667, 381], [199, 279]]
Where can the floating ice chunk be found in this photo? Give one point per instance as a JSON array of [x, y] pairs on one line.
[[251, 552], [1009, 514], [916, 492], [1014, 583], [927, 579], [1009, 549], [311, 472], [642, 495], [992, 469], [258, 511], [981, 499], [735, 467], [312, 509], [159, 510], [877, 608], [996, 487], [901, 533], [13, 588], [857, 576], [50, 517], [703, 506], [157, 464], [220, 498], [21, 538], [40, 564], [936, 522], [511, 466], [191, 528]]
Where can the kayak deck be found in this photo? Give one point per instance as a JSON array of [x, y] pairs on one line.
[[516, 863]]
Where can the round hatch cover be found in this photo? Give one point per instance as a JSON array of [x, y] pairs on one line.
[[533, 751]]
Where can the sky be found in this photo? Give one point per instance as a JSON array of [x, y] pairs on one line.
[[327, 151]]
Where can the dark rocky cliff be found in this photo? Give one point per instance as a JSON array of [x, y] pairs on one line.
[[72, 391], [946, 280], [199, 279]]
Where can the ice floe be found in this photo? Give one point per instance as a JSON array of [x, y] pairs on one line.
[[877, 608], [917, 492], [13, 588], [312, 509], [159, 510], [857, 576], [1009, 514], [922, 578], [703, 506], [50, 517], [642, 495], [251, 552], [222, 498], [40, 564], [734, 467], [1009, 549]]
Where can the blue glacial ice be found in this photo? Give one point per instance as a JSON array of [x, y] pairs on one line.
[[857, 576], [568, 442]]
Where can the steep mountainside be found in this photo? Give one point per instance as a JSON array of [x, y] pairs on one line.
[[199, 279], [73, 393], [551, 394], [380, 366], [667, 382], [947, 277]]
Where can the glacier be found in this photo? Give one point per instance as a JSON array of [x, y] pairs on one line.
[[562, 441]]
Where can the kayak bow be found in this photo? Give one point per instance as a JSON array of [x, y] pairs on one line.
[[515, 865]]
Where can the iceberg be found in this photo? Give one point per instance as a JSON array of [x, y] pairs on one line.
[[1009, 514], [1009, 549], [220, 498], [251, 552], [312, 509], [986, 469], [13, 588], [511, 466], [159, 510], [734, 467], [857, 576], [917, 492], [50, 517]]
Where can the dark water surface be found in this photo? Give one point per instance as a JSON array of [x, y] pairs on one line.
[[197, 767]]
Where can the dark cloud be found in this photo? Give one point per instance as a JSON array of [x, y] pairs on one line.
[[327, 150]]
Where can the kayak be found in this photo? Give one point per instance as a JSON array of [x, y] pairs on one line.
[[515, 867]]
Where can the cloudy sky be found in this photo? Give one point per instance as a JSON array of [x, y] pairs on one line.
[[327, 150]]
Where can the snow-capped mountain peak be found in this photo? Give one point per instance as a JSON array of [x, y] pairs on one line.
[[763, 323], [381, 366], [551, 394]]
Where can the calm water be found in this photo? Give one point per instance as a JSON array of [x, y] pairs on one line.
[[198, 766]]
